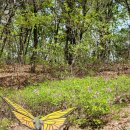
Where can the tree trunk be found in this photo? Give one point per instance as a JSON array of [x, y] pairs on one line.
[[128, 9], [6, 32], [70, 36], [35, 40]]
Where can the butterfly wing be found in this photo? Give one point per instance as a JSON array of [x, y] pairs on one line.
[[54, 124], [18, 108], [57, 114], [55, 120], [24, 119]]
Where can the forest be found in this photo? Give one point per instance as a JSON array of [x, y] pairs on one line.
[[58, 54]]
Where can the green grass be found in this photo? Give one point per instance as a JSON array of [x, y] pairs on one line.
[[93, 96], [4, 123]]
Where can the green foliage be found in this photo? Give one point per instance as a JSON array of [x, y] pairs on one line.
[[90, 30], [4, 123]]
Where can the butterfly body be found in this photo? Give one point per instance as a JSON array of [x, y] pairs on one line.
[[37, 123], [52, 121]]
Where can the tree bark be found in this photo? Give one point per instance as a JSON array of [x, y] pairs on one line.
[[35, 40], [128, 9], [70, 36]]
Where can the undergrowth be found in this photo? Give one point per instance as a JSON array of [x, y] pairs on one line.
[[94, 97]]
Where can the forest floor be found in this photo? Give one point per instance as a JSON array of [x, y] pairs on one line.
[[18, 76], [121, 122]]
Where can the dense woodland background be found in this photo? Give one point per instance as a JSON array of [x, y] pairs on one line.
[[64, 32]]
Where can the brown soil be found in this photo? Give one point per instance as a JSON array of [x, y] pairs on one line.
[[18, 76], [121, 121], [112, 71]]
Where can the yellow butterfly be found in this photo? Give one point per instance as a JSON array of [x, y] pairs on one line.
[[53, 121]]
